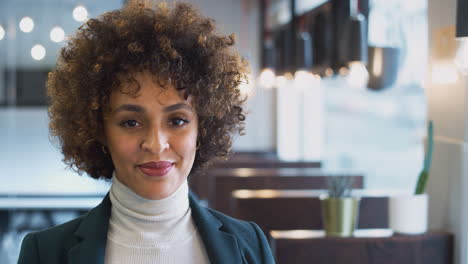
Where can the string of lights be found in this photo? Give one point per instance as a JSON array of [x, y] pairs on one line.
[[57, 33]]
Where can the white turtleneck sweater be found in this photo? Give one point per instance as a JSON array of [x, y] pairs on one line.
[[152, 231]]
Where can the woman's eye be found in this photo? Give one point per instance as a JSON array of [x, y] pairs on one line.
[[129, 123], [178, 121]]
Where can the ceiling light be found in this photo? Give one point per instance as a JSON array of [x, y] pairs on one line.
[[280, 81], [80, 13], [306, 80], [26, 24], [57, 34], [267, 78], [461, 57], [329, 72], [38, 52], [303, 53], [358, 75], [358, 39]]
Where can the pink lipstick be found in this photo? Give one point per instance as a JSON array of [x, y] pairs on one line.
[[156, 169]]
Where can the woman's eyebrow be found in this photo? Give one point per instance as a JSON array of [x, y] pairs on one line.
[[177, 106], [130, 107]]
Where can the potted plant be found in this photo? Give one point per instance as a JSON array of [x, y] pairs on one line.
[[339, 208], [408, 213]]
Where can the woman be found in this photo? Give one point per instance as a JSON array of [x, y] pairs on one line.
[[146, 96]]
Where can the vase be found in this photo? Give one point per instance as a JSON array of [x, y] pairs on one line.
[[408, 213], [340, 215]]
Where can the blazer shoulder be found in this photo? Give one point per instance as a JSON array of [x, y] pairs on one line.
[[63, 232], [233, 224], [250, 237], [59, 232], [48, 244]]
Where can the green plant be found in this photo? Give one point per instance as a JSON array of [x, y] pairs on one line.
[[424, 175], [340, 186]]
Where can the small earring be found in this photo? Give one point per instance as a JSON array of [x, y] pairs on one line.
[[198, 145], [103, 148]]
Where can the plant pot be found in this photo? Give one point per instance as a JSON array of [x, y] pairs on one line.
[[408, 213], [339, 215]]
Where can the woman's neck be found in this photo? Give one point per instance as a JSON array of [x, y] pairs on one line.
[[175, 205], [149, 222]]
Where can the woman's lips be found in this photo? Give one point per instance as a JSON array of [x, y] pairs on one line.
[[156, 169]]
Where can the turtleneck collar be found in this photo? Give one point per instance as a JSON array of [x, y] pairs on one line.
[[175, 205], [144, 222]]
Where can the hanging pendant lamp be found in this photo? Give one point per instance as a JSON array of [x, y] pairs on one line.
[[461, 57]]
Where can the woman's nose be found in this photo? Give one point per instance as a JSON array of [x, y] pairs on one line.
[[155, 141]]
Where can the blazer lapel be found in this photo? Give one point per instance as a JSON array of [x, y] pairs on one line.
[[221, 246], [91, 236], [89, 244]]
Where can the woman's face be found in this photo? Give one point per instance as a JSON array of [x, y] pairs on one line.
[[152, 138]]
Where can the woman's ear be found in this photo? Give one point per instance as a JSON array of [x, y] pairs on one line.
[[103, 142]]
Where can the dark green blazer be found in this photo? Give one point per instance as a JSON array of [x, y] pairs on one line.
[[83, 240]]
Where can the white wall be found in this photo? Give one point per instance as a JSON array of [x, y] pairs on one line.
[[242, 17], [447, 103]]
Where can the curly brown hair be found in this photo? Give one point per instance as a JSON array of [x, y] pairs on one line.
[[172, 43]]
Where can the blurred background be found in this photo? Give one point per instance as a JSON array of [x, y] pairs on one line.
[[342, 83]]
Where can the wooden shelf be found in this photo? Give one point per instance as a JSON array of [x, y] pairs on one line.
[[313, 247]]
